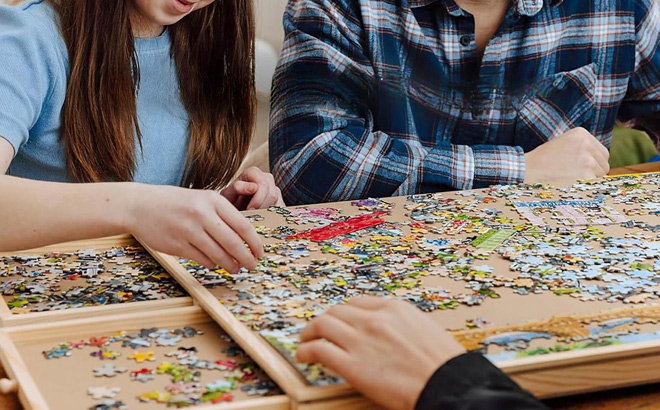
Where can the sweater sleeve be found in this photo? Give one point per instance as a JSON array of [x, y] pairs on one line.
[[28, 70], [471, 382]]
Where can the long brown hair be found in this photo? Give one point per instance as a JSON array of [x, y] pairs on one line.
[[214, 53]]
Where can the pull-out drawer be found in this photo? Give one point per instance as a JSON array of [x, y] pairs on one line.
[[176, 357]]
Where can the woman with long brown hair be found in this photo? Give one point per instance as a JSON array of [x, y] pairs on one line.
[[126, 116]]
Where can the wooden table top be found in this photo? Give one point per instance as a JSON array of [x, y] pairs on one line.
[[635, 169], [638, 398]]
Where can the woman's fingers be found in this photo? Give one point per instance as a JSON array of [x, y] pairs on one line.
[[217, 254], [267, 193], [231, 243], [191, 252], [243, 229], [244, 188], [260, 198], [254, 189], [239, 193]]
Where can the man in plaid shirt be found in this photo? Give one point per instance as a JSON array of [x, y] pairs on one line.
[[374, 98]]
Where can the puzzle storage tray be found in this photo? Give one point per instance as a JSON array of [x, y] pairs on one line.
[[559, 287], [89, 363], [81, 279]]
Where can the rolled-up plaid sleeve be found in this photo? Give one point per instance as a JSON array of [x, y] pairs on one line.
[[641, 108], [324, 145]]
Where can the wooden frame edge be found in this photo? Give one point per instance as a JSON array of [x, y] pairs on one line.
[[36, 332], [5, 314], [578, 372], [94, 311], [276, 366], [579, 357], [105, 241], [355, 402], [28, 392], [280, 402]]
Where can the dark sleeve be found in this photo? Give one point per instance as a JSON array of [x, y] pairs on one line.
[[471, 382]]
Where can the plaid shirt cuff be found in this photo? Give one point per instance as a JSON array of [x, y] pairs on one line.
[[499, 164], [464, 167]]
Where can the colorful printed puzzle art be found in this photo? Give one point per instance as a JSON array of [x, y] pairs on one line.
[[570, 212]]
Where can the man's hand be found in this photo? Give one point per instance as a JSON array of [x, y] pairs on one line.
[[386, 349], [574, 155], [254, 189]]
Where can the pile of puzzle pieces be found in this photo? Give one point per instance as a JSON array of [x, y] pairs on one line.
[[90, 277]]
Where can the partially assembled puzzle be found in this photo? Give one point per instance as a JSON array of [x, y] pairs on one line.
[[511, 258]]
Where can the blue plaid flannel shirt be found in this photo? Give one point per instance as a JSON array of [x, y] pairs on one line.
[[373, 98]]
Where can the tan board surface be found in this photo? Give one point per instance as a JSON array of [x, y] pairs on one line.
[[58, 383]]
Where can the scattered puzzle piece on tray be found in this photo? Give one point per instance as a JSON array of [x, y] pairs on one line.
[[110, 405], [140, 357], [187, 379], [88, 277], [108, 370], [102, 392]]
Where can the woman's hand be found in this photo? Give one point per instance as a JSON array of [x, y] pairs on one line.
[[254, 189], [193, 224], [386, 349]]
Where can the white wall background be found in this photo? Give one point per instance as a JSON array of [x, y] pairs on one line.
[[270, 36]]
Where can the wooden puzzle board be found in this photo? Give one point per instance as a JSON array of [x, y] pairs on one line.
[[60, 382], [559, 314]]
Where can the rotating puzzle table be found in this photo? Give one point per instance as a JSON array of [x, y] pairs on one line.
[[558, 287]]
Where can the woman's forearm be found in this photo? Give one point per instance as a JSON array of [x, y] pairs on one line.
[[37, 213]]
